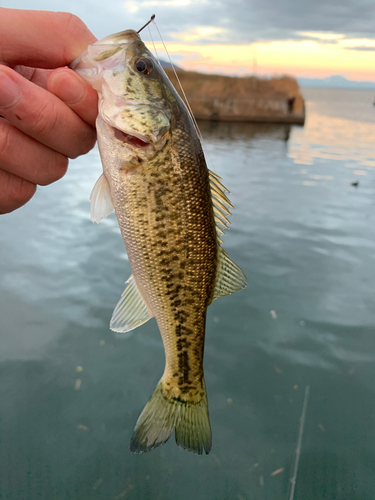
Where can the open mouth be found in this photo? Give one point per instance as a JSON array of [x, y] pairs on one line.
[[130, 139]]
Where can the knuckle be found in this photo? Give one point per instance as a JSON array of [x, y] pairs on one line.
[[6, 138], [72, 23], [57, 170], [61, 167], [87, 143], [46, 120], [22, 192], [16, 192]]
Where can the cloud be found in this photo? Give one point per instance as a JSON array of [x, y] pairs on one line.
[[305, 37], [322, 38], [235, 22], [247, 21], [200, 33], [363, 47]]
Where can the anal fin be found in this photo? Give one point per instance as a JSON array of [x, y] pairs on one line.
[[131, 310], [229, 277]]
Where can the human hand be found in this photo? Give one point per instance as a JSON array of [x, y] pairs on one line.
[[48, 115]]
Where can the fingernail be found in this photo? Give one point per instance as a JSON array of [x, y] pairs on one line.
[[68, 88], [10, 91]]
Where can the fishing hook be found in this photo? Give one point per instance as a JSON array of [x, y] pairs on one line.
[[143, 27]]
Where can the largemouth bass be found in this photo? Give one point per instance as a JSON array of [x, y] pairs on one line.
[[171, 210]]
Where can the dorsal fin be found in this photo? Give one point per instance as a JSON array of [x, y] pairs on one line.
[[220, 203], [229, 277]]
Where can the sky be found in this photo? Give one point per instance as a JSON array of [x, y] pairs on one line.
[[303, 38]]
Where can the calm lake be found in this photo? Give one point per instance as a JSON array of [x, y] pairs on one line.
[[299, 341]]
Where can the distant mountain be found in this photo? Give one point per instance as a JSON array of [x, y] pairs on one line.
[[335, 81]]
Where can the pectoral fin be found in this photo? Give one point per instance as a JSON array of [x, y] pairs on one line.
[[229, 277], [131, 310], [101, 203]]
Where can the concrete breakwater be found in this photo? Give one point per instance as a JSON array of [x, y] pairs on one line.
[[251, 99]]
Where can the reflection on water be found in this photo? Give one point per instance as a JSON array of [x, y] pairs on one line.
[[71, 391], [342, 128], [218, 131]]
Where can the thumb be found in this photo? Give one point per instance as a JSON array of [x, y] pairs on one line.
[[75, 92]]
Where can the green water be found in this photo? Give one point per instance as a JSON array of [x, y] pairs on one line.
[[304, 236]]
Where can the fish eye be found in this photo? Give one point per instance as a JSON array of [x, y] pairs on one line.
[[143, 65]]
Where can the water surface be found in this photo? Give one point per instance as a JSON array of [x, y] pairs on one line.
[[71, 390]]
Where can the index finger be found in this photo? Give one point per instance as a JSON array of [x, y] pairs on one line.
[[41, 39]]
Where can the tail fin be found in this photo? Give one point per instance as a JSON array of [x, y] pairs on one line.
[[161, 415]]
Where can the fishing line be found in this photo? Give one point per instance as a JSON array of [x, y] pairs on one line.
[[299, 444], [153, 43], [179, 83], [187, 102]]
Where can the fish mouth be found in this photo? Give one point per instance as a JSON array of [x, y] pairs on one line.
[[140, 142], [137, 141]]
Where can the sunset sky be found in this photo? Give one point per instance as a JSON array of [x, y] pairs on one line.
[[304, 38]]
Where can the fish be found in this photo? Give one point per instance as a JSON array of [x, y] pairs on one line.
[[171, 210]]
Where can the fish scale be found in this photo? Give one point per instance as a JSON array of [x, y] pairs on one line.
[[170, 210], [174, 268]]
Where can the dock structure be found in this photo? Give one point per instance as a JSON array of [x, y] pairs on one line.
[[241, 99]]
